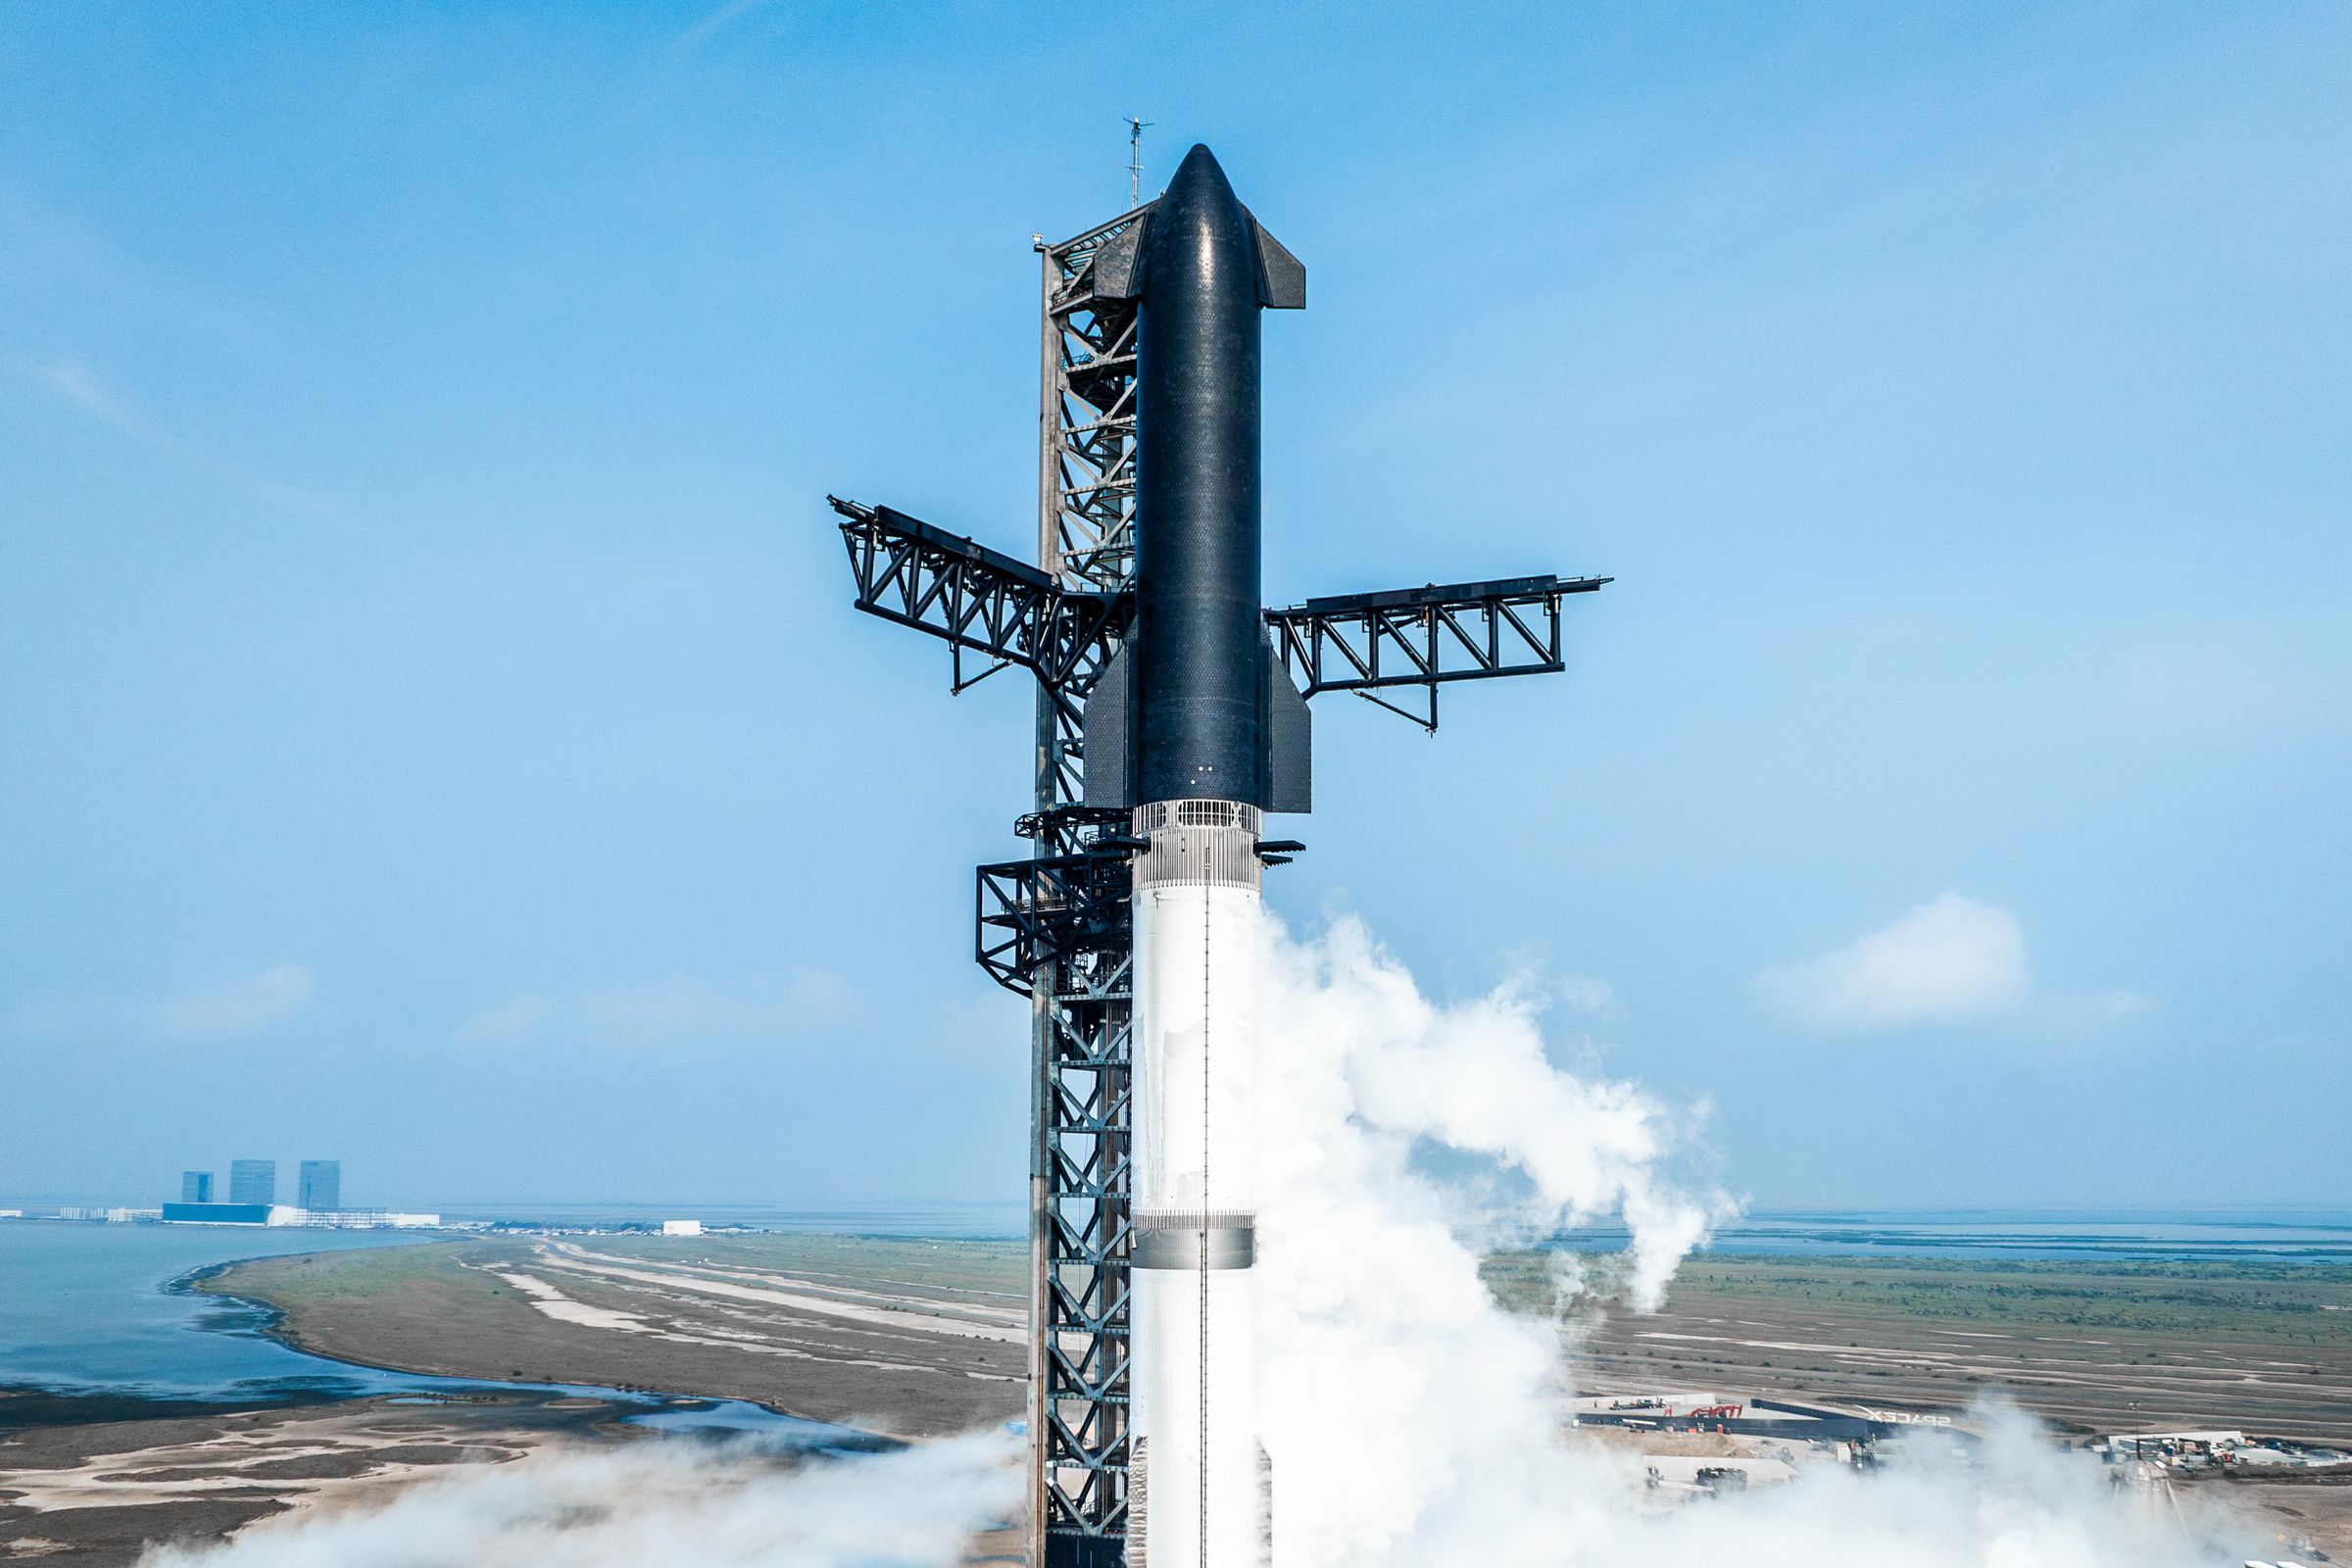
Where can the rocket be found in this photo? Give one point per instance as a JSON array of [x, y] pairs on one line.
[[1196, 730], [1135, 930]]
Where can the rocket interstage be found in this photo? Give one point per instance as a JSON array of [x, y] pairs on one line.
[[1172, 718]]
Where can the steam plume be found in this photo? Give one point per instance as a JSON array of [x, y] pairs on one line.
[[1415, 1424], [661, 1503]]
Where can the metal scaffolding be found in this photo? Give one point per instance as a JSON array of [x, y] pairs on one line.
[[1082, 992]]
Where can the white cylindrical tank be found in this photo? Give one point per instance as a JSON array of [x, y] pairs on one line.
[[1199, 1488]]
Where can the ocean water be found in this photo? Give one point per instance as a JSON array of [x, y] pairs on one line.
[[83, 1309]]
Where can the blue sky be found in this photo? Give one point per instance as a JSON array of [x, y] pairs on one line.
[[436, 734]]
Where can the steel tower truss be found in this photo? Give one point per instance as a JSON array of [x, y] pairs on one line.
[[1056, 927], [1082, 972]]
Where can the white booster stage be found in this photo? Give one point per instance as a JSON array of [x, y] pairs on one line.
[[1198, 1483]]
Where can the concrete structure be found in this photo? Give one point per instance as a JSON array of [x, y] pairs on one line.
[[215, 1213], [1687, 1411], [286, 1214], [353, 1220], [253, 1181], [681, 1227], [318, 1186], [195, 1185], [2136, 1444]]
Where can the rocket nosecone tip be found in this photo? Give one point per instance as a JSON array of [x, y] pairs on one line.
[[1200, 177]]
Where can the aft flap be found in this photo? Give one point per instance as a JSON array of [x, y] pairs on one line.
[[1110, 734], [1289, 742]]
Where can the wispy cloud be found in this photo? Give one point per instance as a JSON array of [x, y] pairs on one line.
[[77, 384], [50, 1019], [235, 1010], [680, 1010], [717, 22], [2077, 1018], [239, 1007], [1950, 959], [1585, 994]]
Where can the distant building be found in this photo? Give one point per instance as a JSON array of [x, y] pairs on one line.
[[253, 1181], [319, 1188], [353, 1220], [2153, 1445], [215, 1213], [283, 1214], [195, 1185], [681, 1227]]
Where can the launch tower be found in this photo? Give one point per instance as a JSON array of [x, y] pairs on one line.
[[1171, 717]]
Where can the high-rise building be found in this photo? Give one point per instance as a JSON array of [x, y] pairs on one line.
[[253, 1181], [195, 1185], [320, 1186]]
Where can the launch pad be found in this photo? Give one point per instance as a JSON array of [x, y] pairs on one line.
[[1193, 698]]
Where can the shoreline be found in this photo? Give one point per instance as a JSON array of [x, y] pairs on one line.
[[872, 1359], [275, 1322], [38, 1405]]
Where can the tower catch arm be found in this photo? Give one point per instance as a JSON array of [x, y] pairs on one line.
[[1373, 643], [973, 597]]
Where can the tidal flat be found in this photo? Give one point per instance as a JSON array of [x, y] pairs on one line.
[[94, 1482], [904, 1339]]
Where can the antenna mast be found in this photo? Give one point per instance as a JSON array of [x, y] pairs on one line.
[[1135, 160]]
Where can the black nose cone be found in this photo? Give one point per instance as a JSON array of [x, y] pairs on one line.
[[1201, 174], [1200, 233]]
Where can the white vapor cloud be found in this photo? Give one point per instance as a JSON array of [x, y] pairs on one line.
[[236, 1009], [1413, 1423], [682, 1009], [1950, 959], [658, 1503]]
